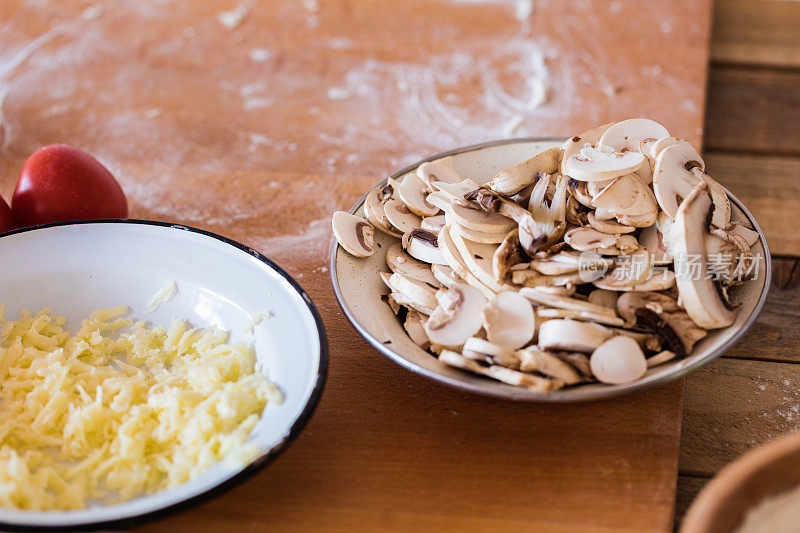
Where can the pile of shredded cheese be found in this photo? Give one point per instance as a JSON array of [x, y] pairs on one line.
[[119, 410]]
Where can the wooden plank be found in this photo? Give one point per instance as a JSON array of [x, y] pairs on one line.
[[688, 489], [770, 188], [753, 110], [763, 32], [732, 406], [261, 130]]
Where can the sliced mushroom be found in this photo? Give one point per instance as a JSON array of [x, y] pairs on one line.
[[477, 257], [661, 314], [506, 375], [413, 192], [454, 192], [400, 217], [439, 199], [558, 264], [573, 145], [629, 199], [489, 352], [658, 146], [509, 320], [516, 178], [678, 170], [572, 335], [404, 264], [749, 235], [457, 317], [633, 271], [579, 361], [454, 260], [417, 291], [479, 220], [618, 360], [479, 236], [606, 298], [549, 216], [507, 255], [629, 134], [608, 226], [438, 170], [401, 299], [587, 239], [601, 163], [532, 359], [699, 294], [599, 313], [579, 190], [414, 326], [354, 234], [651, 240], [445, 275], [373, 210], [659, 281], [433, 224], [423, 245], [660, 358]]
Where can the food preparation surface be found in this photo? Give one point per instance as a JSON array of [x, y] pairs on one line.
[[258, 120]]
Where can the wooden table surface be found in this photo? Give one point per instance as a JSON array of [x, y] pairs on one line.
[[752, 139], [257, 120]]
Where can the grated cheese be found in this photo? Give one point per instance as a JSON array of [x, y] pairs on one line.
[[119, 410], [164, 294]]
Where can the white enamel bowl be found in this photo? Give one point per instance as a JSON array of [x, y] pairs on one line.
[[357, 286], [76, 268]]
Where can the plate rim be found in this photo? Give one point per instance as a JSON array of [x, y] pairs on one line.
[[254, 466], [524, 395]]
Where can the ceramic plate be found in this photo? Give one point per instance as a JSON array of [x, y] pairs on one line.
[[76, 268], [357, 286]]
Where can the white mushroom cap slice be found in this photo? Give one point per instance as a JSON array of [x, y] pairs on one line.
[[477, 257], [402, 299], [609, 226], [516, 178], [573, 145], [630, 133], [659, 281], [433, 224], [413, 192], [506, 375], [586, 239], [617, 361], [572, 335], [400, 217], [628, 195], [482, 350], [438, 170], [599, 312], [678, 171], [439, 199], [373, 211], [509, 320], [633, 270], [604, 297], [478, 220], [354, 234], [699, 295], [423, 245], [419, 292], [660, 358], [479, 236], [455, 192], [457, 317], [532, 359], [650, 238], [454, 260], [658, 147], [599, 163], [404, 264], [750, 236], [413, 325], [445, 275]]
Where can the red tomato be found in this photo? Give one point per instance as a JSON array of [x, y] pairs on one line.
[[59, 182], [6, 218]]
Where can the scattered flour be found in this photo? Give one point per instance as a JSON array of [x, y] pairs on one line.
[[233, 18], [259, 55]]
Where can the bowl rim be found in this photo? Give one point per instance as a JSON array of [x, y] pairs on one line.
[[254, 466], [525, 395], [720, 488]]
